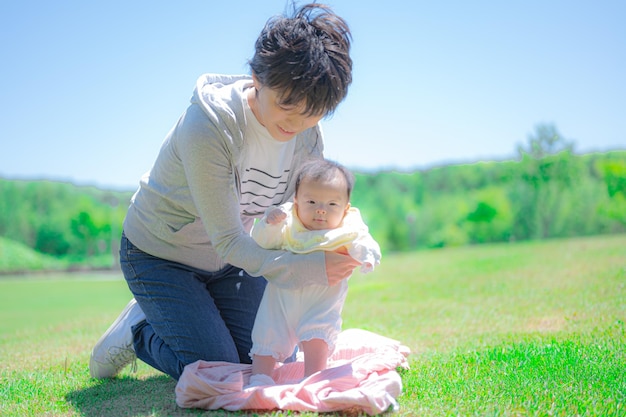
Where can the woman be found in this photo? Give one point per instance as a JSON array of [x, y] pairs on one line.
[[196, 275]]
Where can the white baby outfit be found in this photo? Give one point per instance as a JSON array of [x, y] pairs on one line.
[[289, 316]]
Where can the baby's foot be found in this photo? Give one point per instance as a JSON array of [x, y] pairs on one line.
[[260, 380]]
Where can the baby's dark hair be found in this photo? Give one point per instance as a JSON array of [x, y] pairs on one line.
[[306, 58], [323, 170]]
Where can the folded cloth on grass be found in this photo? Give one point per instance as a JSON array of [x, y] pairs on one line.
[[361, 375]]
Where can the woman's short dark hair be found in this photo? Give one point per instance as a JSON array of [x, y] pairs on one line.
[[306, 58]]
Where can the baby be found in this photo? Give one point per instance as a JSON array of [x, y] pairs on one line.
[[320, 218]]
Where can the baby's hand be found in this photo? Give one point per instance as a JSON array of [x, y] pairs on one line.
[[275, 216]]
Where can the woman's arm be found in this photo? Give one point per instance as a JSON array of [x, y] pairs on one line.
[[206, 156]]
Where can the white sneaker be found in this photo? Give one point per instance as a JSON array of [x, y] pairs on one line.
[[115, 348]]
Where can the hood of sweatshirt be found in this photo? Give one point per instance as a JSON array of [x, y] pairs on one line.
[[221, 97]]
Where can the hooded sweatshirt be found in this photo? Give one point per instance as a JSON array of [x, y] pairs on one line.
[[187, 207]]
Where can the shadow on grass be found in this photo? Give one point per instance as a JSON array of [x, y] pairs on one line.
[[129, 396], [155, 397]]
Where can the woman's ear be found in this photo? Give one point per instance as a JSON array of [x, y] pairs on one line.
[[255, 81]]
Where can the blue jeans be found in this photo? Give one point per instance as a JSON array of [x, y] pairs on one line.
[[191, 314]]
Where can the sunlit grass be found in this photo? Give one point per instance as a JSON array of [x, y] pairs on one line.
[[535, 328]]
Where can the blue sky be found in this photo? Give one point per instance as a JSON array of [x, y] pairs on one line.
[[89, 89]]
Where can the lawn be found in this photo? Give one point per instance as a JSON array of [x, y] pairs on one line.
[[524, 329]]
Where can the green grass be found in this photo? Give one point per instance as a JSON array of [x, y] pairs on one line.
[[527, 329]]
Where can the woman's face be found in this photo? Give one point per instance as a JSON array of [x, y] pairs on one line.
[[282, 122]]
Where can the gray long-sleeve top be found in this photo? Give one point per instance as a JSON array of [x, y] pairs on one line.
[[187, 207]]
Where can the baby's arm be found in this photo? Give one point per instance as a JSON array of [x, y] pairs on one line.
[[366, 250], [275, 215], [267, 232]]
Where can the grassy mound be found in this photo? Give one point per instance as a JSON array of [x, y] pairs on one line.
[[17, 257]]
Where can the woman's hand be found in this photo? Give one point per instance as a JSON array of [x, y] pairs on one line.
[[339, 266]]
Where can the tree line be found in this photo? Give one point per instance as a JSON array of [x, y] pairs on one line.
[[63, 220], [548, 191]]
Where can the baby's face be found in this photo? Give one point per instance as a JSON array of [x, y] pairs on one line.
[[322, 205]]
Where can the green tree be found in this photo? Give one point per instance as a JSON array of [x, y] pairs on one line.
[[615, 179], [491, 218], [546, 140], [548, 168]]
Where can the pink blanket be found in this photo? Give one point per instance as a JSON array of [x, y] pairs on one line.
[[361, 376]]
